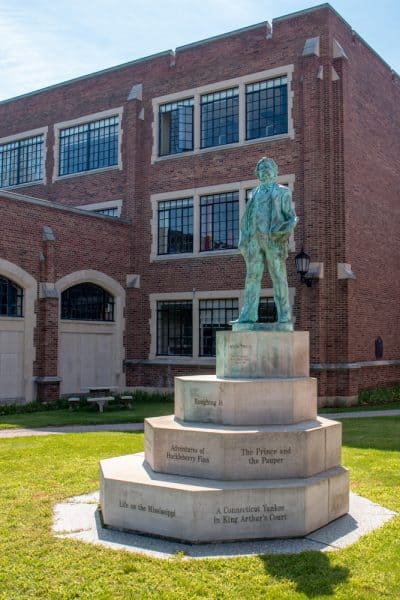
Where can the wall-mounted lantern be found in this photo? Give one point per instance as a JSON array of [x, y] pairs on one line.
[[309, 272], [302, 261]]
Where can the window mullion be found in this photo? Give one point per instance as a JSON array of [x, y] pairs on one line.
[[17, 179], [195, 328], [242, 113], [88, 149], [197, 126]]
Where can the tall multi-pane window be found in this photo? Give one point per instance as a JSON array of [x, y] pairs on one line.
[[266, 108], [21, 161], [87, 302], [214, 315], [267, 311], [220, 118], [219, 221], [89, 146], [174, 328], [11, 298], [176, 127], [175, 226]]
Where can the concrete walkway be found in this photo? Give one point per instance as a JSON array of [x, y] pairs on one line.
[[11, 433], [362, 413]]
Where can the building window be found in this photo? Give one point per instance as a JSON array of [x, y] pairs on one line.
[[214, 315], [176, 127], [219, 221], [87, 302], [175, 226], [267, 311], [89, 146], [174, 328], [220, 118], [21, 161], [11, 298], [266, 108], [112, 211]]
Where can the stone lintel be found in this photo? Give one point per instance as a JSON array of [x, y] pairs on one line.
[[47, 290], [311, 47], [136, 92], [338, 51], [48, 234]]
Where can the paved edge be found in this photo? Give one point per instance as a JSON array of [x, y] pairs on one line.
[[79, 519]]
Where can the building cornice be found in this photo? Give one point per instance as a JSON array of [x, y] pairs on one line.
[[57, 206]]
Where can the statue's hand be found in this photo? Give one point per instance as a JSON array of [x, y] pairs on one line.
[[280, 236]]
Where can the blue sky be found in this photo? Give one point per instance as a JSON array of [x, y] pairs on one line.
[[43, 42]]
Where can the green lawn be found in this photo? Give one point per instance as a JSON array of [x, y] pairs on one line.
[[89, 416], [143, 408], [37, 472]]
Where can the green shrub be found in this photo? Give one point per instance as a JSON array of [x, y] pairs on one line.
[[32, 407], [139, 396], [379, 396]]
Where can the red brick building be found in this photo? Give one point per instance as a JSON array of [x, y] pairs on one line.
[[122, 193]]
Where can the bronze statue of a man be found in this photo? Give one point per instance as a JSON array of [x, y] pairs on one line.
[[267, 223]]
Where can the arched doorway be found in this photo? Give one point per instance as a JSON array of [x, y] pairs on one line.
[[17, 321], [90, 332]]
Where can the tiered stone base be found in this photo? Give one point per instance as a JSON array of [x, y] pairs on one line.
[[245, 457], [135, 498], [234, 453]]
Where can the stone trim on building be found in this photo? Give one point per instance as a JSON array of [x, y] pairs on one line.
[[196, 93], [111, 112], [195, 296], [196, 193], [24, 135]]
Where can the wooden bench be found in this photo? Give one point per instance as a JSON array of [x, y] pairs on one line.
[[74, 403], [101, 401], [127, 400]]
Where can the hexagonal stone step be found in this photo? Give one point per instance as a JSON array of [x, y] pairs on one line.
[[222, 452], [273, 401], [251, 354], [135, 498]]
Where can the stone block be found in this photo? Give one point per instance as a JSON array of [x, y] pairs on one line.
[[233, 453], [209, 399], [262, 354], [135, 498], [338, 496]]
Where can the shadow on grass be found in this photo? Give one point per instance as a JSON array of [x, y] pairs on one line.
[[378, 433], [311, 572]]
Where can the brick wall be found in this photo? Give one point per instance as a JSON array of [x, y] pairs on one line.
[[81, 242], [345, 158]]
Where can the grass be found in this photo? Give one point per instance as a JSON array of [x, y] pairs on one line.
[[37, 472], [88, 416], [358, 407], [143, 408]]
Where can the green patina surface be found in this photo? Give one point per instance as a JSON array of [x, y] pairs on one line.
[[267, 223]]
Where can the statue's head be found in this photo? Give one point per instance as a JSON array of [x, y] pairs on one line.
[[266, 170]]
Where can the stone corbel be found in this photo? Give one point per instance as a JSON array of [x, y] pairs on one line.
[[344, 271]]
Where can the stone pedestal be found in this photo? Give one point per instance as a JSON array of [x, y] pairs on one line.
[[244, 457]]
